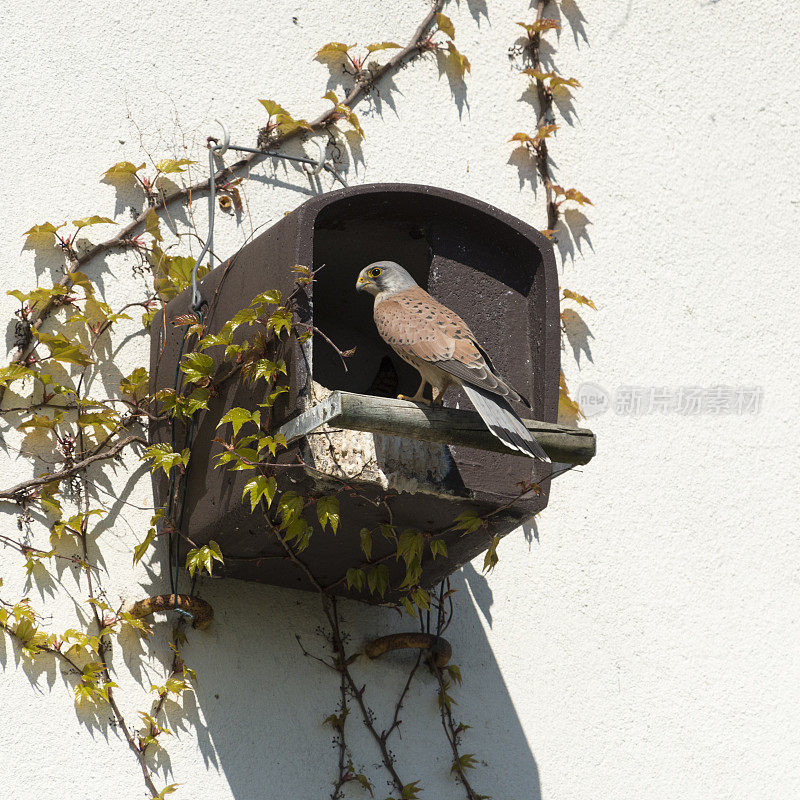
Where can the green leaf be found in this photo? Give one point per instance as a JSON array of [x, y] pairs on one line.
[[421, 598], [355, 578], [438, 548], [123, 169], [260, 487], [455, 673], [272, 443], [366, 542], [468, 522], [215, 339], [578, 298], [46, 232], [467, 761], [490, 559], [378, 579], [328, 512], [47, 498], [373, 48], [273, 108], [247, 316], [135, 385], [107, 419], [410, 545], [411, 791], [165, 458], [281, 320], [152, 225], [364, 781], [459, 60], [195, 401], [264, 368], [64, 350], [170, 165], [166, 790], [41, 421], [332, 51], [197, 367], [299, 531], [202, 558], [39, 295], [173, 274], [237, 417], [290, 507], [93, 220], [141, 548], [270, 297], [289, 125], [445, 25], [273, 396], [14, 372]]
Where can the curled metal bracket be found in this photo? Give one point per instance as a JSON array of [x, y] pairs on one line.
[[439, 650], [221, 149], [320, 165], [200, 612], [215, 149]]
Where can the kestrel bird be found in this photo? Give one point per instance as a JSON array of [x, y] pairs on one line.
[[445, 352]]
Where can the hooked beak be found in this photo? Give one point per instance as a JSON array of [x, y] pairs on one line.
[[362, 283]]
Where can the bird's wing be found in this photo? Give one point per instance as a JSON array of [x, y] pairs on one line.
[[416, 325]]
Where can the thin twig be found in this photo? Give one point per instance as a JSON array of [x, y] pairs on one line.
[[21, 490]]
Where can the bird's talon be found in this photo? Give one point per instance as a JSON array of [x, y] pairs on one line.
[[423, 400]]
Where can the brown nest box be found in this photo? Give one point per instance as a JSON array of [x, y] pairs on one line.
[[495, 271]]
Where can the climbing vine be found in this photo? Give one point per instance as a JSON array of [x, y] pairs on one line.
[[62, 336], [549, 85]]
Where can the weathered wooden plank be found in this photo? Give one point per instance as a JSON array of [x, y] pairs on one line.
[[454, 426]]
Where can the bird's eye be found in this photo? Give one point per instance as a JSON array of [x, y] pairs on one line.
[[374, 273]]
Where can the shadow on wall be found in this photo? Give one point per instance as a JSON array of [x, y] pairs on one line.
[[255, 720], [261, 702]]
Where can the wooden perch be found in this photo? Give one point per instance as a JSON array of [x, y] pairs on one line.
[[361, 412], [438, 648]]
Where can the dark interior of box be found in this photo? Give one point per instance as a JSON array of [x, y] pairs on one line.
[[469, 260], [345, 247]]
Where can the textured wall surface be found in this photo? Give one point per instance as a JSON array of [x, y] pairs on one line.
[[642, 640]]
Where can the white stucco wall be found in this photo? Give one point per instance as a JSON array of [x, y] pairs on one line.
[[645, 643]]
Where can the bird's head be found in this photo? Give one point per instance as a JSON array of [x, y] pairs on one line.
[[384, 277]]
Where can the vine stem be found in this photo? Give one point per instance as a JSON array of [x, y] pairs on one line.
[[545, 98], [332, 613], [21, 489], [124, 237], [340, 663], [343, 776], [452, 736]]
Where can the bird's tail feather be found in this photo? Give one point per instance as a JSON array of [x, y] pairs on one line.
[[501, 420]]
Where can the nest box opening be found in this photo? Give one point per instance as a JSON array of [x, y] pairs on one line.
[[345, 241], [475, 263]]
